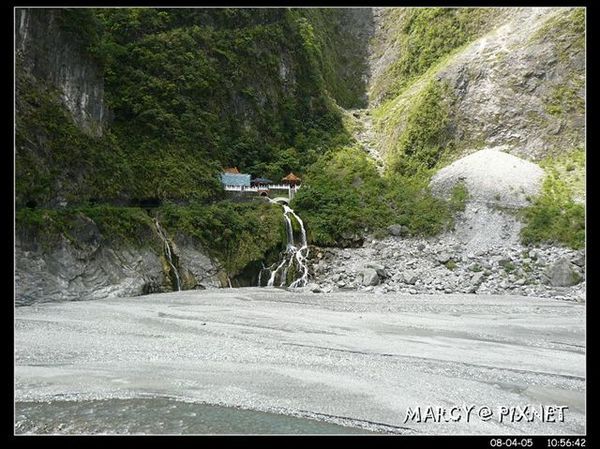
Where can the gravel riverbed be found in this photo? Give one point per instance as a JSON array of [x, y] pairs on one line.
[[355, 359]]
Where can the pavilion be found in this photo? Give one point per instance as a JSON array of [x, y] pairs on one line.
[[291, 179]]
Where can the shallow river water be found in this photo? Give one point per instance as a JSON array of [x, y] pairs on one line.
[[159, 416]]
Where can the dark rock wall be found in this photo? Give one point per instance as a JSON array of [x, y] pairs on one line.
[[52, 55]]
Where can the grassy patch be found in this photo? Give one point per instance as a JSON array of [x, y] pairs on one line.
[[565, 99], [509, 267], [476, 268], [570, 168], [554, 217], [451, 265], [459, 197]]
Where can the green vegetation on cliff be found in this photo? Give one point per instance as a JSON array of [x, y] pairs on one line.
[[235, 234], [343, 196], [119, 226], [425, 36], [55, 160], [425, 136], [190, 91], [339, 54], [555, 216]]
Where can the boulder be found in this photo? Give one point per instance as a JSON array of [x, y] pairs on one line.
[[476, 281], [410, 277], [397, 230], [562, 273], [477, 278], [505, 261], [579, 259], [380, 269], [486, 264], [314, 288], [398, 277], [370, 277], [443, 257]]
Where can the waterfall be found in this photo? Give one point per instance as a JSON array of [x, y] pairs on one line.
[[260, 272], [168, 253], [292, 255]]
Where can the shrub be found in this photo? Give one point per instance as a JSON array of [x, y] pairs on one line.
[[554, 217], [343, 195]]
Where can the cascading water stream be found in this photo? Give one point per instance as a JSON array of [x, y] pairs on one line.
[[292, 255], [168, 253]]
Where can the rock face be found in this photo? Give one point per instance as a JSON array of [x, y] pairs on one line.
[[198, 270], [562, 273], [88, 268], [507, 80], [510, 85], [68, 273], [379, 269], [50, 54]]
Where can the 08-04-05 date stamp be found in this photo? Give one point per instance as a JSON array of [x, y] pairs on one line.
[[558, 442]]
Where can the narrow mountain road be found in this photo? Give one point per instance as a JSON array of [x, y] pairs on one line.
[[354, 359]]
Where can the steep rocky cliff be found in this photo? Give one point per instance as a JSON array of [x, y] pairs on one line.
[[190, 91], [514, 83], [517, 83], [50, 53], [75, 257]]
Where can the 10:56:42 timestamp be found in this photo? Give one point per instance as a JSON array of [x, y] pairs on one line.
[[566, 442]]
